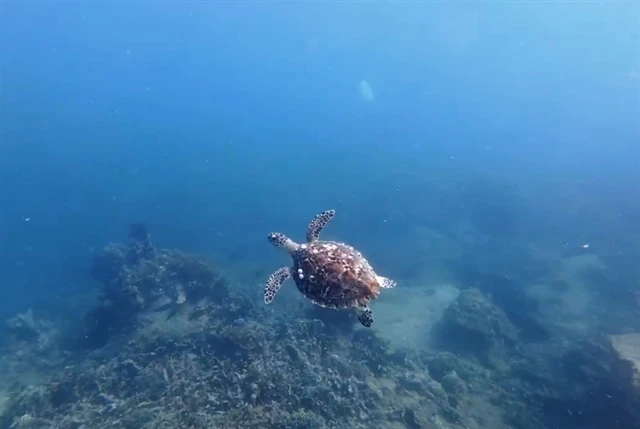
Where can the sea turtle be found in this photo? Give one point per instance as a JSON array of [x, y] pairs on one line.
[[328, 273]]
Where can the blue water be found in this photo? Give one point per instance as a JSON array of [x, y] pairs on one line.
[[499, 149], [217, 122]]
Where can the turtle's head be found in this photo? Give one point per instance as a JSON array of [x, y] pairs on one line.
[[283, 242]]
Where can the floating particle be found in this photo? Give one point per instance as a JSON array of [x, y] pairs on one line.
[[365, 90]]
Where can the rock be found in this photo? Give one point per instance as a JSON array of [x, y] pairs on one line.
[[452, 384], [108, 263], [139, 279], [477, 315], [443, 363], [25, 328], [474, 325], [436, 390], [627, 347], [411, 419], [589, 384]]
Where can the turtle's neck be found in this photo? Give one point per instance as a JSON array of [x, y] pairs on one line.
[[290, 246]]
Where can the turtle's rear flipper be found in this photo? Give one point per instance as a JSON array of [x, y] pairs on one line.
[[318, 223], [365, 316], [275, 281]]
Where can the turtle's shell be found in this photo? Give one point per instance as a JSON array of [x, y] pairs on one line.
[[334, 274]]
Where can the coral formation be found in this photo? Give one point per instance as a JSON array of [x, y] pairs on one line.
[[28, 342], [139, 278], [24, 327]]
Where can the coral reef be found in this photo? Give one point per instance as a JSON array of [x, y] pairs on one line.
[[170, 344], [555, 384], [24, 327], [212, 372], [31, 341], [138, 278]]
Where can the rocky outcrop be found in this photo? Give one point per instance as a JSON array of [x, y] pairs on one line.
[[627, 347], [474, 325], [137, 279]]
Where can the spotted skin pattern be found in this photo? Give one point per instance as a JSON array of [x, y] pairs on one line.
[[333, 274], [318, 223], [277, 239], [366, 316], [275, 281]]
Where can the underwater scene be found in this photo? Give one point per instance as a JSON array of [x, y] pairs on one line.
[[310, 215]]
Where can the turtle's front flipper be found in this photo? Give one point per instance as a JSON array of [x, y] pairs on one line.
[[365, 316], [275, 281], [317, 223]]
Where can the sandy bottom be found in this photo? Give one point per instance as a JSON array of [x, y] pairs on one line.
[[405, 316]]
